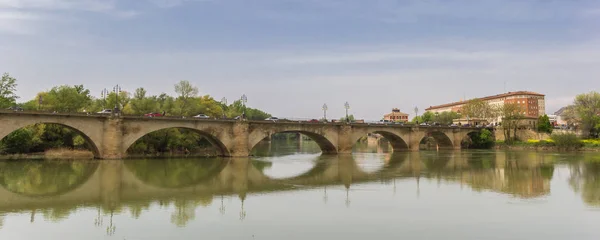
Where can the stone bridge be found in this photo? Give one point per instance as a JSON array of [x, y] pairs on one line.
[[110, 137]]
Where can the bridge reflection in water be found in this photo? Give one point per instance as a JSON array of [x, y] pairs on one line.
[[57, 189]]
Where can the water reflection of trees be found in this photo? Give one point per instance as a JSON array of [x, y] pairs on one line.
[[522, 175], [585, 179], [175, 173], [45, 178]]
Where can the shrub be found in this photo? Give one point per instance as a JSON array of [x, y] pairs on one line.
[[567, 140]]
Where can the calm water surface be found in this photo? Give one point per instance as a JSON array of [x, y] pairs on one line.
[[289, 191]]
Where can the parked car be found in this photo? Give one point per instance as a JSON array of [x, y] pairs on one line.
[[105, 111], [274, 119], [466, 125], [15, 108], [153, 114], [202, 116], [453, 125], [314, 121], [423, 124]]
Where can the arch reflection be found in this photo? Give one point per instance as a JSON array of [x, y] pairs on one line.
[[175, 173], [45, 178]]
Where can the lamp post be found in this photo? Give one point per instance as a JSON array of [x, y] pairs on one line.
[[347, 106], [224, 102], [325, 111], [437, 114], [244, 99], [40, 101], [104, 94], [117, 90]]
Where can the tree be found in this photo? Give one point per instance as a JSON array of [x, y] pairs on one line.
[[67, 99], [477, 108], [8, 87], [446, 118], [544, 124], [512, 115], [350, 118], [186, 91], [587, 109], [140, 104]]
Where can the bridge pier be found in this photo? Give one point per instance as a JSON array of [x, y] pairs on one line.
[[112, 140]]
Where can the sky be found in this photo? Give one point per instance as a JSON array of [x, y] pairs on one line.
[[292, 56]]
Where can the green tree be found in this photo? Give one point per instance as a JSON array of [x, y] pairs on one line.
[[544, 124], [186, 92], [587, 110], [477, 108], [350, 118], [512, 115], [140, 104], [8, 87], [67, 99]]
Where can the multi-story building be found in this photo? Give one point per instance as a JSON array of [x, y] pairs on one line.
[[533, 104], [396, 116]]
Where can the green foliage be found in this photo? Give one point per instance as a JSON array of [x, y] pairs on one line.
[[427, 117], [66, 99], [8, 87], [477, 108], [174, 140], [544, 124], [567, 140], [42, 137], [481, 140], [586, 109], [237, 108], [350, 118], [18, 141], [446, 118], [186, 92]]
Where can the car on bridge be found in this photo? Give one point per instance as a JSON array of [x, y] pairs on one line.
[[153, 114], [202, 116], [274, 119], [314, 121], [105, 111], [15, 108]]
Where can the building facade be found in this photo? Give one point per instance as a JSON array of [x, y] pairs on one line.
[[396, 116], [533, 104]]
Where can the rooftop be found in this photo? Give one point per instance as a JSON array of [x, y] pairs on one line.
[[508, 94]]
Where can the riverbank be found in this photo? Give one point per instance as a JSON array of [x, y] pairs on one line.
[[52, 154], [592, 145]]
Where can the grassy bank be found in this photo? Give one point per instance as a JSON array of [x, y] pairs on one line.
[[52, 154], [557, 144]]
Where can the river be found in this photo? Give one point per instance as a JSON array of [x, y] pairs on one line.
[[289, 191]]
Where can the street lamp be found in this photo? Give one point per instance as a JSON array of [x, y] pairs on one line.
[[325, 111], [224, 102], [117, 90], [437, 114], [104, 94], [244, 99], [347, 106]]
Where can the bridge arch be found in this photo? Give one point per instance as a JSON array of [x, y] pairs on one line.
[[442, 139], [130, 138], [396, 137], [324, 138], [90, 133]]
